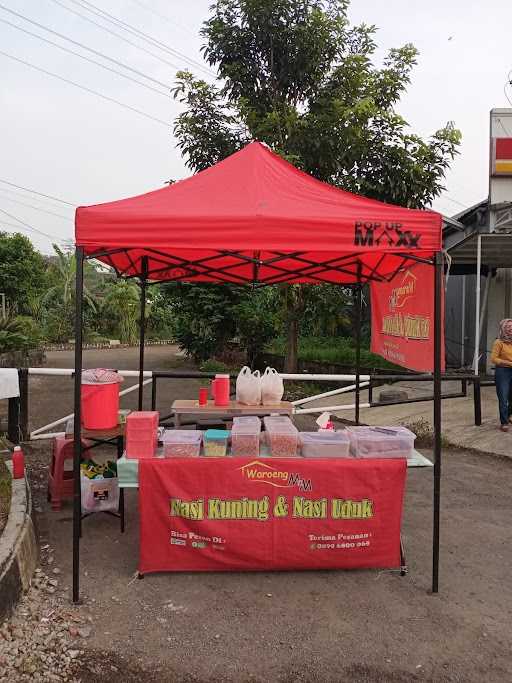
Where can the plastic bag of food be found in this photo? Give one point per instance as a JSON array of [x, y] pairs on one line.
[[272, 387], [248, 387]]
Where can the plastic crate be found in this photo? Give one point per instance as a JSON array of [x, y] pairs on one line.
[[142, 434], [142, 420]]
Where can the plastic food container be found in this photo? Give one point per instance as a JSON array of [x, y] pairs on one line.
[[142, 434], [282, 436], [325, 444], [245, 436], [381, 442], [182, 443], [215, 442]]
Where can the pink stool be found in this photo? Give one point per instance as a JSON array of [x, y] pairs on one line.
[[60, 480]]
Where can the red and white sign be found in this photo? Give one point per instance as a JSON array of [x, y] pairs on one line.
[[403, 319], [242, 514]]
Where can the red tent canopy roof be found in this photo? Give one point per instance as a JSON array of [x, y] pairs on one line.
[[253, 217]]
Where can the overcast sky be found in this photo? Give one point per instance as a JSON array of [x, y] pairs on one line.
[[63, 141]]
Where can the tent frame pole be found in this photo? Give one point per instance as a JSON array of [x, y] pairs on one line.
[[142, 328], [77, 430], [438, 326], [476, 357], [359, 304]]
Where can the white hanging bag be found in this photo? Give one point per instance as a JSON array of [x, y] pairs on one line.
[[248, 387], [272, 387]]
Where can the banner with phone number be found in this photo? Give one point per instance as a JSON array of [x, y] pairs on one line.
[[242, 514]]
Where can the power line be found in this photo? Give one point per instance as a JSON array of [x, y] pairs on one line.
[[141, 34], [87, 59], [84, 47], [117, 35], [455, 201], [89, 90], [174, 22], [30, 227], [41, 194], [37, 208], [41, 202]]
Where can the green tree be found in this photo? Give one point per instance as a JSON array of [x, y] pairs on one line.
[[22, 270], [57, 307], [122, 305], [296, 75]]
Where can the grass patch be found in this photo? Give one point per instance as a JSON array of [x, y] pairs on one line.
[[5, 494], [338, 351], [424, 433]]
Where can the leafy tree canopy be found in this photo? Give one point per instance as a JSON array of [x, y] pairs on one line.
[[22, 270], [296, 75]]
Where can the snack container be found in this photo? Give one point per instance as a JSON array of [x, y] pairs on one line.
[[181, 443], [282, 436], [325, 444], [381, 442], [215, 442], [245, 436]]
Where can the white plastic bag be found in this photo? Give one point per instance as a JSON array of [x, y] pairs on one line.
[[99, 494], [248, 387], [272, 387]]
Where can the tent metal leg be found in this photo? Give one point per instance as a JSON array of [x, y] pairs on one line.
[[438, 313], [77, 433], [142, 328], [359, 304], [477, 303]]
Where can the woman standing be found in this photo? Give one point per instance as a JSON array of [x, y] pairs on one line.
[[501, 357]]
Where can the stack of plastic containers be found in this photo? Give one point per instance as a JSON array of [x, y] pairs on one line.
[[245, 436], [325, 443], [282, 435], [381, 442], [182, 443], [141, 434]]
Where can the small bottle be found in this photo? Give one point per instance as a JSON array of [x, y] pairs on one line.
[[18, 463]]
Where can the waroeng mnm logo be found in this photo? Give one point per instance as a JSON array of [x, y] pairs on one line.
[[263, 473]]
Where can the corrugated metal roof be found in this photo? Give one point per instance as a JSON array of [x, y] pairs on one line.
[[496, 250]]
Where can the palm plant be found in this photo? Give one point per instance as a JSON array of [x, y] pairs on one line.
[[122, 304]]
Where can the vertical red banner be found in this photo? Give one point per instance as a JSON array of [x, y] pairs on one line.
[[403, 319]]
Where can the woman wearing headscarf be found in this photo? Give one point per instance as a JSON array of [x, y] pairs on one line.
[[501, 358]]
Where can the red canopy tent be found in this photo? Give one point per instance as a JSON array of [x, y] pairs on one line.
[[255, 218]]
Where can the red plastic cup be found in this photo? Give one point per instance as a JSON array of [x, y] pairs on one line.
[[203, 396]]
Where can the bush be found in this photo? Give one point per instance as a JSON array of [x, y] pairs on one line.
[[5, 493], [337, 351], [212, 365]]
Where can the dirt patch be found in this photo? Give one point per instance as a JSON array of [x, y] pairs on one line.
[[359, 626], [325, 627]]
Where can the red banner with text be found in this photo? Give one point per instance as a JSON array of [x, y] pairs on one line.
[[238, 514], [403, 319]]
